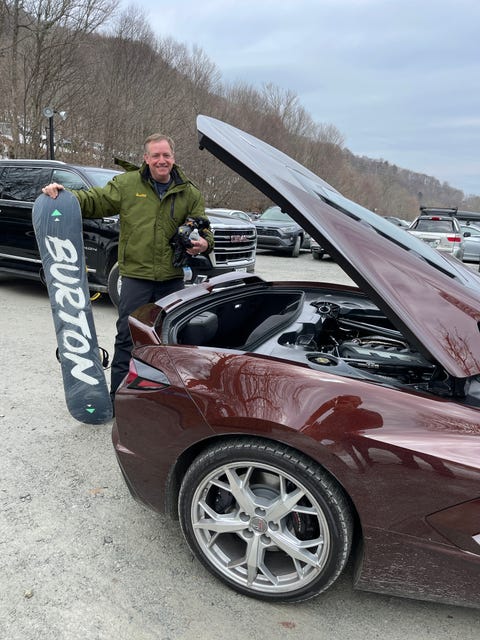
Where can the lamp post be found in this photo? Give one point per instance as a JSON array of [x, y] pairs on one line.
[[48, 112]]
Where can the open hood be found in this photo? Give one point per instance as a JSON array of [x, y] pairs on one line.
[[432, 299]]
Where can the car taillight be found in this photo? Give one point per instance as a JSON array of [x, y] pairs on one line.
[[143, 376], [454, 238]]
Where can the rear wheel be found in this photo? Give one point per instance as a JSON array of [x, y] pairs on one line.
[[265, 520]]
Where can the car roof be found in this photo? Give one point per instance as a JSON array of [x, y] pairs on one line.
[[41, 162], [231, 213], [437, 217], [227, 211], [469, 225], [431, 298], [225, 217], [38, 162]]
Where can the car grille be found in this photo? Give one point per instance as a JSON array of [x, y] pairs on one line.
[[234, 244], [266, 231]]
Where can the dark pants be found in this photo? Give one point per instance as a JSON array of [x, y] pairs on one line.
[[133, 294]]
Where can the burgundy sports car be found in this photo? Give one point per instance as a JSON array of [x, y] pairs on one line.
[[294, 427]]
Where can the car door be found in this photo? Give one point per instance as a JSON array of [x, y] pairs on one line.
[[471, 243], [19, 186]]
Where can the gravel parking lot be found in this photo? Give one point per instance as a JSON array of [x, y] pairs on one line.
[[82, 560]]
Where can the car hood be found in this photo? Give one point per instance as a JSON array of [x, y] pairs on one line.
[[224, 220], [434, 300]]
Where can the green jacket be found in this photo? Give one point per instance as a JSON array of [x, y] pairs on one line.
[[146, 223]]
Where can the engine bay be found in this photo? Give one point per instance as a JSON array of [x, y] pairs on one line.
[[343, 333], [356, 340]]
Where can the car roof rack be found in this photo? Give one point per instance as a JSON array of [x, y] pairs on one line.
[[450, 211], [442, 211]]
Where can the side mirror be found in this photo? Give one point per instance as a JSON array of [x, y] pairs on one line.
[[467, 234]]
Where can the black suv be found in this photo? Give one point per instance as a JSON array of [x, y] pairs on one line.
[[21, 181]]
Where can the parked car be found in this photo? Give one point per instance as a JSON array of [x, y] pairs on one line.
[[440, 232], [317, 251], [232, 213], [469, 222], [277, 230], [235, 244], [464, 216], [21, 182], [294, 427], [471, 242]]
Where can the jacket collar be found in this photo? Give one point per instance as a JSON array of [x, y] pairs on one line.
[[176, 174]]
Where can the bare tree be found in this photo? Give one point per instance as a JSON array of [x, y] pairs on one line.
[[121, 100], [45, 36], [121, 84]]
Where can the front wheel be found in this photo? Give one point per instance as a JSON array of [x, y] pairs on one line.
[[266, 520], [114, 284], [296, 247]]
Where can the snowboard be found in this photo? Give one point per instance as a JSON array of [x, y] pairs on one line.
[[57, 223]]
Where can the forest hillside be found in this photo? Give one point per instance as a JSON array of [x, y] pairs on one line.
[[111, 82]]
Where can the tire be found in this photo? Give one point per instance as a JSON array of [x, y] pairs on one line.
[[271, 506], [317, 255], [114, 284], [296, 247]]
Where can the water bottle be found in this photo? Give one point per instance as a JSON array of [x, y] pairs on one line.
[[187, 274]]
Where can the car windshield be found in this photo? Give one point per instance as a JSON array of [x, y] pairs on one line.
[[235, 214], [241, 215], [100, 177], [436, 226], [474, 231], [275, 213]]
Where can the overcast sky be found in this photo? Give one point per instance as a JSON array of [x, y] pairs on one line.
[[400, 79]]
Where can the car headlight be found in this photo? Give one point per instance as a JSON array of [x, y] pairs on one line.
[[287, 230]]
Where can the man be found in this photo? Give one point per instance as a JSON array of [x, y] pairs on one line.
[[152, 202]]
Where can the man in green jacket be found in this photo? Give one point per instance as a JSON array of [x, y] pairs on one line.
[[152, 202]]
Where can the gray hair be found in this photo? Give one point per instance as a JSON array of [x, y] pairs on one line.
[[158, 137]]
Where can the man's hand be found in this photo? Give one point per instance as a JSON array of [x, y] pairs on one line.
[[198, 246], [52, 189]]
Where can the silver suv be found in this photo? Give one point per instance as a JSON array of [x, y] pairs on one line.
[[440, 232], [235, 242]]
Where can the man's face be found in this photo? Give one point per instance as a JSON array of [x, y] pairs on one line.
[[160, 159]]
